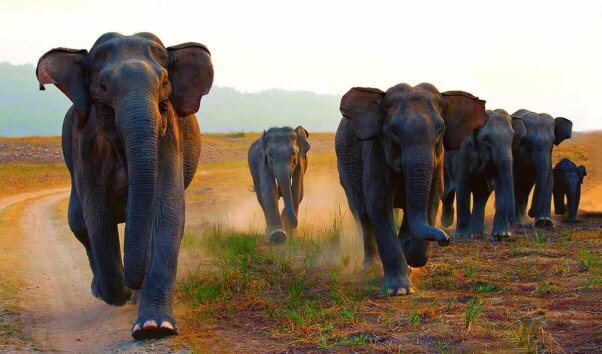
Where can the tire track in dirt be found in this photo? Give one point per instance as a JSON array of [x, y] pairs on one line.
[[59, 311]]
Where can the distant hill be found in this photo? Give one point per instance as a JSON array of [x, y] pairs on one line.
[[26, 111]]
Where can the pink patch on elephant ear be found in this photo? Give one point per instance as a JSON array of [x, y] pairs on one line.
[[464, 113]]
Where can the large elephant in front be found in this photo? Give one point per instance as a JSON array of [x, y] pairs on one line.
[[389, 148], [131, 143], [482, 164], [278, 161], [533, 164]]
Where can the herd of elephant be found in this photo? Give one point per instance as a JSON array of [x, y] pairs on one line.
[[132, 143]]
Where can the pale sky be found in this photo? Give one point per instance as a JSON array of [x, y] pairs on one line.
[[545, 56]]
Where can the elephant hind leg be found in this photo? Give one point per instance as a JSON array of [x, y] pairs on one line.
[[573, 199]]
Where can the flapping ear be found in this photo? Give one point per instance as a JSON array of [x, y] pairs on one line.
[[463, 114], [66, 69], [191, 76], [563, 129], [361, 106], [303, 143], [520, 132], [582, 173]]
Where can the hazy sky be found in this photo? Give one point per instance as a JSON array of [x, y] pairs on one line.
[[540, 55]]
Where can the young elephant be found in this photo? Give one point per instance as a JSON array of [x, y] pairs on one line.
[[532, 159], [131, 143], [278, 161], [389, 148], [483, 164], [567, 183]]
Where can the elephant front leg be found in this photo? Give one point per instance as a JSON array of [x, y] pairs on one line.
[[481, 194], [573, 199], [108, 283], [155, 317], [463, 206]]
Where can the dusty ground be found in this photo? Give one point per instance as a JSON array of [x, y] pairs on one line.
[[537, 292]]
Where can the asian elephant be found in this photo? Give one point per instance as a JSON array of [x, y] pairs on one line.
[[131, 143], [532, 164], [482, 164], [568, 179], [389, 148], [278, 161]]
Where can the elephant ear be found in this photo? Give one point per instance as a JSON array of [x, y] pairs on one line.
[[463, 114], [191, 76], [304, 145], [361, 106], [66, 69], [582, 173], [520, 132], [563, 129]]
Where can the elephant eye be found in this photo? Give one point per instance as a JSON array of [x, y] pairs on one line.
[[164, 106]]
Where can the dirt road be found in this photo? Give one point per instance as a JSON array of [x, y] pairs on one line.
[[58, 311]]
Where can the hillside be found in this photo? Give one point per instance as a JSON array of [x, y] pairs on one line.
[[26, 111]]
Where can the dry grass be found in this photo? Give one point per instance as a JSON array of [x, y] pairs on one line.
[[19, 177]]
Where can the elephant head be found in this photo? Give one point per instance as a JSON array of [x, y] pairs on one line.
[[535, 153], [285, 152], [133, 85], [414, 124], [582, 173]]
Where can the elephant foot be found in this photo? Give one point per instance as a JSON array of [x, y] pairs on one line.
[[397, 285], [573, 221], [478, 235], [447, 217], [462, 233], [531, 213], [544, 223], [118, 297], [500, 235], [149, 329], [277, 236]]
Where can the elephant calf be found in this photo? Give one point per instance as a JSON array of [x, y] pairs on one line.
[[567, 183], [482, 164], [278, 161]]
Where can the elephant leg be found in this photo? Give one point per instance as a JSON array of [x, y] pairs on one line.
[[480, 195], [155, 316], [268, 196], [358, 209], [544, 220], [522, 188], [380, 213], [573, 199], [449, 194], [105, 246], [77, 224], [463, 210], [559, 193]]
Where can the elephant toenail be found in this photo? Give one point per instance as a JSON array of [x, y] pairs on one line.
[[167, 325], [401, 291], [136, 328], [150, 324]]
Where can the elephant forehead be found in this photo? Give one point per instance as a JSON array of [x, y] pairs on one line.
[[127, 47]]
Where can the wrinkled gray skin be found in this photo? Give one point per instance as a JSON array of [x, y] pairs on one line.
[[533, 164], [483, 164], [568, 179], [278, 161], [131, 143], [389, 148]]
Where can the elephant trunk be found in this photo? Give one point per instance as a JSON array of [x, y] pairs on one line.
[[139, 128], [283, 177], [419, 177], [504, 193]]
